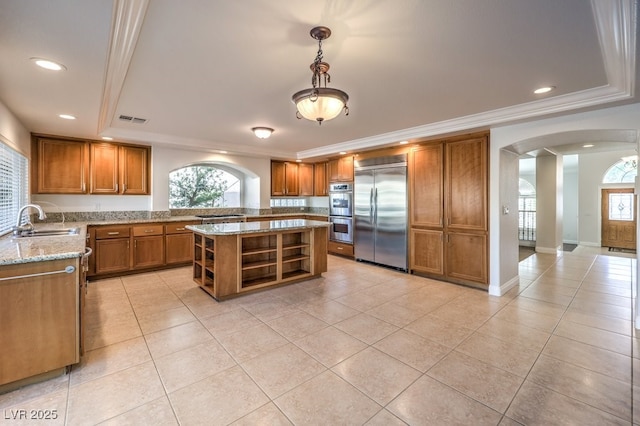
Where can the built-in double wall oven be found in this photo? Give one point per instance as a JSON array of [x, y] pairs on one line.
[[341, 212]]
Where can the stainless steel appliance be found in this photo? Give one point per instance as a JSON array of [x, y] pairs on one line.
[[341, 229], [340, 212], [341, 199], [380, 210], [222, 218]]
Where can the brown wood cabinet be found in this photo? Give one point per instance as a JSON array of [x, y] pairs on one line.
[[148, 246], [321, 179], [342, 249], [448, 209], [73, 166], [60, 166], [284, 178], [341, 169], [305, 179], [122, 249], [119, 169], [178, 243], [112, 249], [40, 318]]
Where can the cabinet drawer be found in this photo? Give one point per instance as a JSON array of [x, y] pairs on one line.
[[340, 248], [178, 227], [145, 230], [112, 232]]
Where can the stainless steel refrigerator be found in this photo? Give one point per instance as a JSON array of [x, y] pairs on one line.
[[380, 210]]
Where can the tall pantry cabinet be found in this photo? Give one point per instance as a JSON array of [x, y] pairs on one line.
[[448, 210]]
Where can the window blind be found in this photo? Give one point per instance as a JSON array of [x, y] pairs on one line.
[[14, 186]]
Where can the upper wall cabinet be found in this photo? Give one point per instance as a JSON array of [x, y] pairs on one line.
[[320, 179], [305, 179], [119, 169], [284, 178], [341, 169], [67, 166], [59, 166]]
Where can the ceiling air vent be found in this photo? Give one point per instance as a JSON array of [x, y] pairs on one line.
[[136, 120]]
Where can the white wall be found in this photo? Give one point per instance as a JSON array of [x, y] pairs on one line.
[[570, 201], [13, 133], [508, 252], [549, 190]]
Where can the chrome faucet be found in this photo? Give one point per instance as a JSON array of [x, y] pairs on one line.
[[18, 229]]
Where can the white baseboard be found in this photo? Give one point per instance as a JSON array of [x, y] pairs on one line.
[[500, 290]]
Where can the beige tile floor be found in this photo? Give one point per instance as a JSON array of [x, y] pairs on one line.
[[361, 345]]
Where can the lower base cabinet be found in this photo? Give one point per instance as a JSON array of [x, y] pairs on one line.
[[342, 249], [427, 251], [119, 249], [112, 255], [454, 256], [467, 257]]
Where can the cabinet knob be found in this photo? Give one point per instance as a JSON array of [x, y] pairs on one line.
[[113, 233]]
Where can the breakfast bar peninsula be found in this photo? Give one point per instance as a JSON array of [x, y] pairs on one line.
[[231, 259]]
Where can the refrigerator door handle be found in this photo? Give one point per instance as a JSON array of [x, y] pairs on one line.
[[371, 205], [375, 206]]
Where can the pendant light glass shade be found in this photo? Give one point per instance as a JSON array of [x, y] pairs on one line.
[[320, 104]]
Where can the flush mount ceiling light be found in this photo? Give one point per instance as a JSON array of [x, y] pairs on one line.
[[320, 103], [545, 89], [67, 116], [262, 132], [49, 65]]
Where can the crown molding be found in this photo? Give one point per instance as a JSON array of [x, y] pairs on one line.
[[126, 23]]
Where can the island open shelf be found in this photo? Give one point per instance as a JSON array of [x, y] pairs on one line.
[[236, 258]]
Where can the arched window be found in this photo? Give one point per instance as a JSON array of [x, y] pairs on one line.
[[204, 186], [623, 171]]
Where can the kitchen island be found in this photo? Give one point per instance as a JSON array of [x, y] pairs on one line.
[[236, 258]]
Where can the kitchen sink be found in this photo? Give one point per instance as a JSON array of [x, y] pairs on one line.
[[50, 232]]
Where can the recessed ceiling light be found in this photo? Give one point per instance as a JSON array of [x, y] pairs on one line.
[[298, 161], [107, 138], [49, 65], [67, 116], [223, 152], [343, 152], [404, 142], [542, 90], [588, 145]]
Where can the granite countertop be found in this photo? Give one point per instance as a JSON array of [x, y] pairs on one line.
[[37, 249], [256, 227]]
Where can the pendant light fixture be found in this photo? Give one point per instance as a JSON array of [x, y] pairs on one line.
[[320, 103]]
